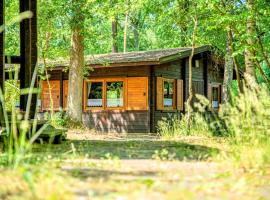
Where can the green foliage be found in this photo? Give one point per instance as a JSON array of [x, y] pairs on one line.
[[19, 131], [12, 91], [245, 122], [248, 116], [59, 119], [175, 127]]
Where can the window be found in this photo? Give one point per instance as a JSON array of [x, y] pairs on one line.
[[214, 94], [115, 94], [100, 94], [168, 94], [215, 97], [95, 94]]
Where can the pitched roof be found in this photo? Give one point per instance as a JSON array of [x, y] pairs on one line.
[[136, 58]]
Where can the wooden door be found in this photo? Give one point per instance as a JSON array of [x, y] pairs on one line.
[[50, 102], [137, 93]]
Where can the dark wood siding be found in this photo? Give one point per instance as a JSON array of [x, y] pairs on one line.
[[171, 70]]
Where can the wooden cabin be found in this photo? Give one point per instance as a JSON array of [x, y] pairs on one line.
[[131, 92]]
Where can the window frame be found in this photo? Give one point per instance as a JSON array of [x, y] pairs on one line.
[[104, 94], [173, 107], [218, 86], [86, 94]]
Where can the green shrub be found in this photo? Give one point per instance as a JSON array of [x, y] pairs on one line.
[[57, 119], [178, 126], [245, 122], [248, 116]]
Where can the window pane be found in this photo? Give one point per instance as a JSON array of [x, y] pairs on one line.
[[115, 94], [215, 97], [168, 93], [94, 93]]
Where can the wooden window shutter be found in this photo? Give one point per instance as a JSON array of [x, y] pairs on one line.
[[46, 103], [137, 93], [159, 91], [180, 95]]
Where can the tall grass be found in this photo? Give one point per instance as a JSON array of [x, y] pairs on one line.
[[244, 122], [20, 130]]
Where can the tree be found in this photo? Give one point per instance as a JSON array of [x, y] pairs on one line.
[[190, 89], [251, 34], [228, 71], [76, 61], [126, 26], [114, 35]]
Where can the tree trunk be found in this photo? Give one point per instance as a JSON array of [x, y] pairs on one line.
[[228, 73], [126, 33], [114, 35], [126, 30], [76, 63], [136, 37], [190, 97], [251, 33]]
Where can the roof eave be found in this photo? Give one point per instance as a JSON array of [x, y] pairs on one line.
[[125, 64], [184, 54]]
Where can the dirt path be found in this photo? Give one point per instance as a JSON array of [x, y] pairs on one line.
[[117, 175]]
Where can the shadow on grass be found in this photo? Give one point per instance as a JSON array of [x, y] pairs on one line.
[[84, 173], [133, 149]]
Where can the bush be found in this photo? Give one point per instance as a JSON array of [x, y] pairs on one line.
[[248, 116], [178, 126], [245, 122]]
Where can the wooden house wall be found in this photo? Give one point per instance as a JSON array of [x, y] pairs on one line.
[[215, 72], [178, 70], [147, 120], [197, 78], [115, 120], [171, 70]]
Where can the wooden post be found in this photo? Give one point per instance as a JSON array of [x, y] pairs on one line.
[[152, 99], [205, 73], [28, 41], [183, 77], [2, 45], [61, 91]]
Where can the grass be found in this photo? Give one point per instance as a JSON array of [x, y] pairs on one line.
[[133, 168]]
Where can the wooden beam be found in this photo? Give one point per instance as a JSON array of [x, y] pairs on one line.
[[28, 41], [2, 45], [205, 73], [152, 98]]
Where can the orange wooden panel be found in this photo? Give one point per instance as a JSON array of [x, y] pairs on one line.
[[50, 96], [180, 95], [159, 93], [137, 93]]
